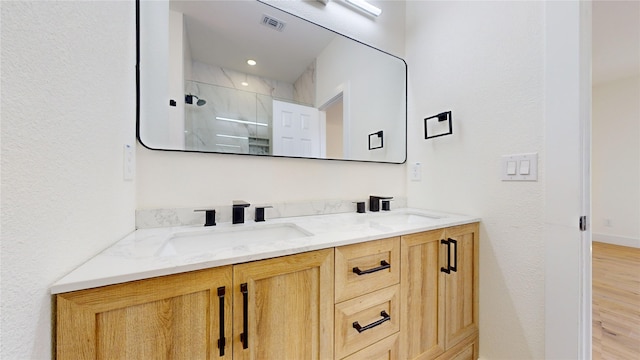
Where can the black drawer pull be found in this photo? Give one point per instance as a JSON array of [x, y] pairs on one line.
[[383, 265], [454, 268], [385, 317], [448, 268], [221, 341], [244, 337]]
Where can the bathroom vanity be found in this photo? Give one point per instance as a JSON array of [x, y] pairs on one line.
[[397, 285]]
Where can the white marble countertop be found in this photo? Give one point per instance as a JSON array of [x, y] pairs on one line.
[[148, 253]]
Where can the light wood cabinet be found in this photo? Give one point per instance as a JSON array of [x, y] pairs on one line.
[[409, 297], [169, 317], [288, 314], [439, 282]]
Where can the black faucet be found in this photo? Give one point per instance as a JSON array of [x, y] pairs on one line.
[[238, 211], [374, 202], [259, 217], [209, 217]]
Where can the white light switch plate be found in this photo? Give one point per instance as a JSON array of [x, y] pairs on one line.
[[522, 173], [415, 172]]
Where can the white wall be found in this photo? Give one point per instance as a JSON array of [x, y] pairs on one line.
[[485, 62], [363, 86], [169, 179], [616, 161], [68, 106]]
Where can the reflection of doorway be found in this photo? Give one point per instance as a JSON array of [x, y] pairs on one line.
[[335, 112], [335, 128]]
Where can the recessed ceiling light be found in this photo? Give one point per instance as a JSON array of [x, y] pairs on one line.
[[244, 83], [251, 62]]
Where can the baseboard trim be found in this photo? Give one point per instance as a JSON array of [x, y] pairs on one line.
[[616, 240]]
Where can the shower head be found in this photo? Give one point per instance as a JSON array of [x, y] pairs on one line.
[[189, 100]]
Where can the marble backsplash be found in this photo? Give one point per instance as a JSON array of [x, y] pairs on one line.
[[154, 218]]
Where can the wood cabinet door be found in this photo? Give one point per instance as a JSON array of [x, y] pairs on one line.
[[169, 317], [283, 307], [422, 294], [461, 290]]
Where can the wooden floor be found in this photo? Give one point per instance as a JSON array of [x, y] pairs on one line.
[[616, 302]]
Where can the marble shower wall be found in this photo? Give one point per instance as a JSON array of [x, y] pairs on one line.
[[304, 89], [226, 97]]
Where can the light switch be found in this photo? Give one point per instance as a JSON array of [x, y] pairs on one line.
[[519, 167]]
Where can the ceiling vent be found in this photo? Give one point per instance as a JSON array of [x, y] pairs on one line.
[[272, 22]]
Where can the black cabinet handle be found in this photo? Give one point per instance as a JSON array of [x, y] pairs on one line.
[[385, 317], [454, 268], [383, 265], [448, 268], [221, 340], [244, 337]]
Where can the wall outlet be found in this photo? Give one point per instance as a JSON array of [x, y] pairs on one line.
[[129, 163], [415, 172]]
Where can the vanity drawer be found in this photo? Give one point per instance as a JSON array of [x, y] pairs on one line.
[[387, 348], [365, 320], [365, 267]]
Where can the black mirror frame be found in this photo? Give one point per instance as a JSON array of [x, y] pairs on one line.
[[259, 155]]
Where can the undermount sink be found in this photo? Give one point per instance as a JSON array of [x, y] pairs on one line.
[[404, 218], [211, 239]]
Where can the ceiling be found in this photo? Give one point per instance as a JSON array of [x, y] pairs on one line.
[[616, 40], [236, 27]]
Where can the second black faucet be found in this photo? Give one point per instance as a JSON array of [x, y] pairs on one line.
[[374, 202], [237, 215]]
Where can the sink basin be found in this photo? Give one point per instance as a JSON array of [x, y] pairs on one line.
[[406, 218], [213, 239]]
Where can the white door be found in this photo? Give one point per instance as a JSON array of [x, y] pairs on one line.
[[297, 130], [567, 180]]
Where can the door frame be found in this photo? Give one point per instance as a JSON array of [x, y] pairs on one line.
[[341, 91], [567, 179]]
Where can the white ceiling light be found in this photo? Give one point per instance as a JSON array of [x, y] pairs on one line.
[[240, 121], [364, 5], [233, 136], [251, 62]]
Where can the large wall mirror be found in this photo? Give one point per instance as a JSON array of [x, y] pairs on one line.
[[244, 77]]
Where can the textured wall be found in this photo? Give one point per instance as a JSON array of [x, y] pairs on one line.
[[616, 161], [68, 106], [484, 61]]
